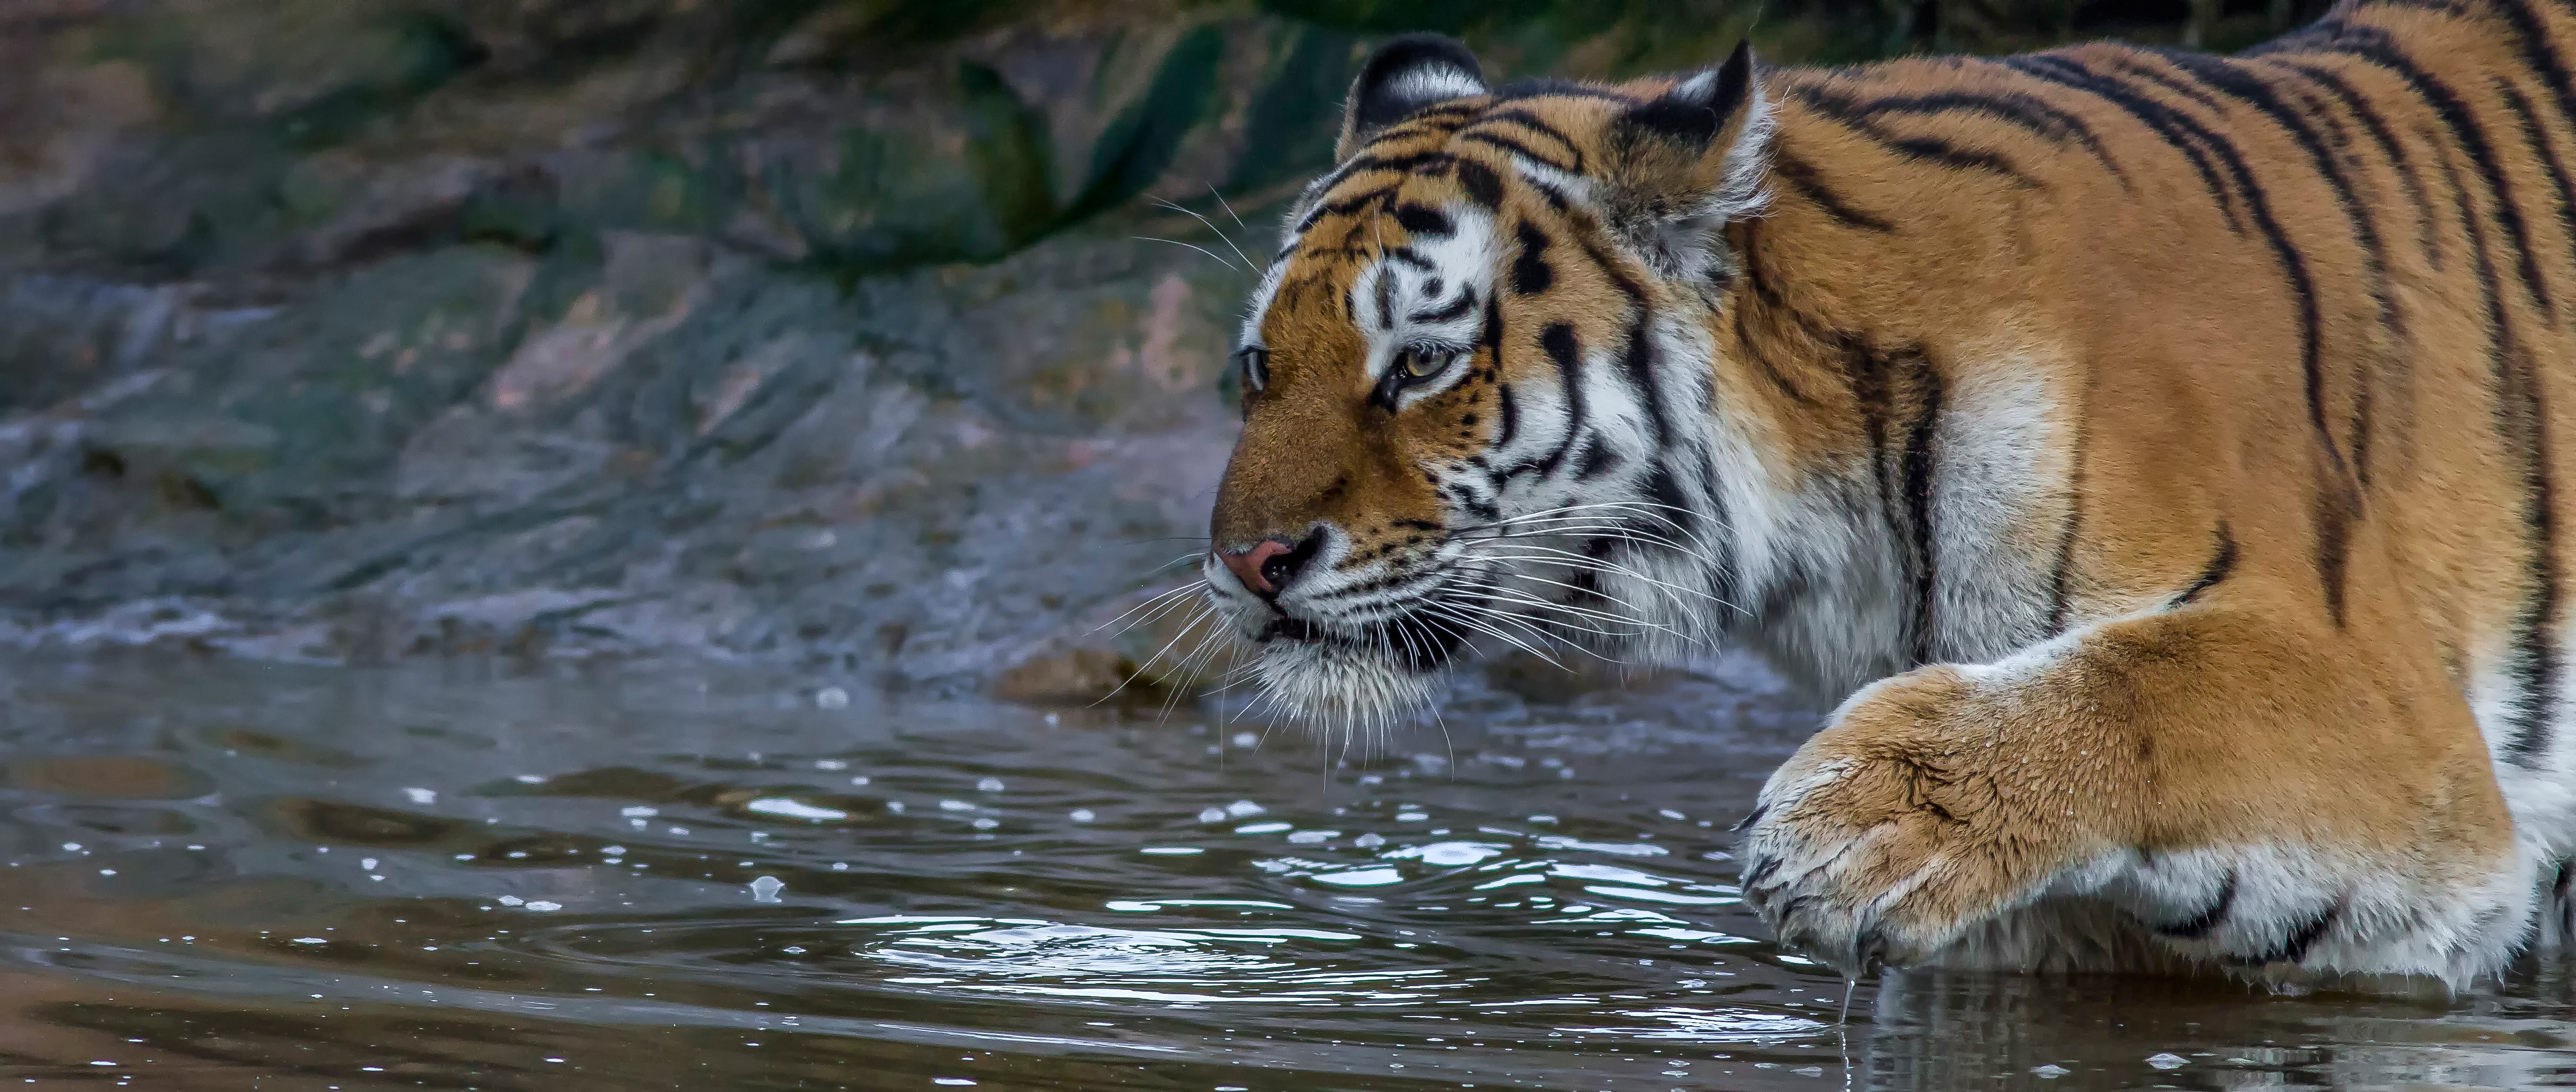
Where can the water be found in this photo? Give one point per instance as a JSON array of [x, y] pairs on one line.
[[219, 875]]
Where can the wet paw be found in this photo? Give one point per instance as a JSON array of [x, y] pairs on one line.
[[1890, 834]]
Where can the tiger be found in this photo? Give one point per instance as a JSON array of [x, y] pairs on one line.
[[2147, 455]]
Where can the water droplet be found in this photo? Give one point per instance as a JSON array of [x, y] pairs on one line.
[[1246, 739], [1082, 815], [831, 697], [1456, 854], [2049, 1072], [613, 851], [830, 764], [510, 900], [1241, 808], [2167, 1060], [541, 906], [530, 779], [1370, 840], [766, 889], [1212, 815], [793, 809], [989, 784], [638, 811], [422, 796]]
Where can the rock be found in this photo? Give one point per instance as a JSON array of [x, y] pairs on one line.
[[818, 331]]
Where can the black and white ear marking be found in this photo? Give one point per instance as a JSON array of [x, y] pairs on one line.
[[1687, 161], [1696, 109], [1405, 75]]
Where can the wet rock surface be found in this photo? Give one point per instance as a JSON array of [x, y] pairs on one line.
[[834, 332], [348, 332]]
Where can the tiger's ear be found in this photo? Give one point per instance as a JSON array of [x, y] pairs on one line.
[[1405, 75], [1680, 165]]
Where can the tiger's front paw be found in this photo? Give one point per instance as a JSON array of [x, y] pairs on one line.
[[1903, 825]]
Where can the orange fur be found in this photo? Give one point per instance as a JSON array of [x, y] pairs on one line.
[[2268, 583]]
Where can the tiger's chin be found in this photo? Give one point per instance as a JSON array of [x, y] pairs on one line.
[[1346, 687]]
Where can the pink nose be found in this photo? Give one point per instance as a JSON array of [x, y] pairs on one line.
[[1249, 566]]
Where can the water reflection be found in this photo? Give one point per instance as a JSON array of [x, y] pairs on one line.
[[212, 873]]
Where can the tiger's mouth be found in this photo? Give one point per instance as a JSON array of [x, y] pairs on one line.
[[1414, 642]]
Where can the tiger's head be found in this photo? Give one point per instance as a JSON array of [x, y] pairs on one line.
[[1477, 382]]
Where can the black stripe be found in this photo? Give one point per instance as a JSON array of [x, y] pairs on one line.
[[1918, 470], [2059, 573], [2376, 47], [1848, 111], [2542, 58], [1408, 256], [1762, 360], [1513, 146], [1637, 360], [1343, 207], [2332, 512], [1424, 220], [1408, 162], [2294, 948], [2337, 502], [1492, 337], [2519, 421], [2135, 65], [1530, 272], [2159, 119], [2367, 114], [2201, 924], [1676, 515], [2294, 267], [2218, 568], [2543, 147], [1456, 308], [1539, 125], [2236, 82], [1483, 186], [2026, 112], [1567, 354], [1802, 179], [1597, 459]]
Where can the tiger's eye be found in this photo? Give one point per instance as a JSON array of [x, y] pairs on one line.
[[1423, 365]]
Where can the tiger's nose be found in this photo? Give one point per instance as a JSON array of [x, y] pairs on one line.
[[1270, 564]]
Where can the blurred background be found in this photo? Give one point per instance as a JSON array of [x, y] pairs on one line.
[[809, 331]]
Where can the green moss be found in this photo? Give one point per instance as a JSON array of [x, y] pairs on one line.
[[1144, 139], [1007, 150], [1290, 127]]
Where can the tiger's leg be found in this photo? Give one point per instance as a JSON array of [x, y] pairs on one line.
[[2239, 789]]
